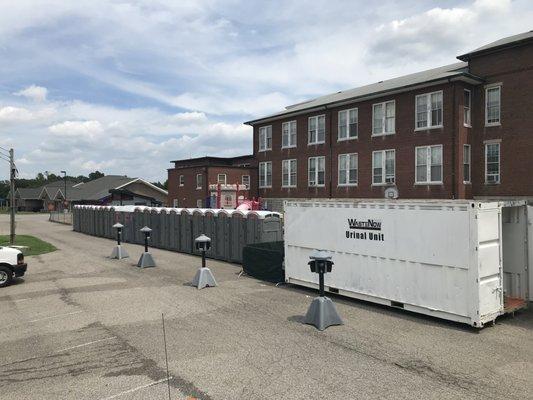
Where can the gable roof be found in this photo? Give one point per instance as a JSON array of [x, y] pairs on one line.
[[456, 71], [510, 41], [29, 193], [97, 189]]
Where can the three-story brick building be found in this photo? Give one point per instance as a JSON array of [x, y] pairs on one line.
[[460, 131]]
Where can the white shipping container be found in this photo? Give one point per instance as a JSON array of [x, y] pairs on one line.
[[465, 261]]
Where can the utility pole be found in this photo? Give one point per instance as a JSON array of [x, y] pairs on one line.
[[12, 170], [65, 194]]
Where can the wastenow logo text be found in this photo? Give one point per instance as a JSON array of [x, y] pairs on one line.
[[369, 224]]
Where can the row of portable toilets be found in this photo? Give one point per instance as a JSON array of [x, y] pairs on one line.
[[175, 229]]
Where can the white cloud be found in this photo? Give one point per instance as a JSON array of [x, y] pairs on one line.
[[9, 114], [134, 84], [35, 93], [78, 129]]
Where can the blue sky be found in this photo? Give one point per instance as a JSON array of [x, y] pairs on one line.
[[127, 86]]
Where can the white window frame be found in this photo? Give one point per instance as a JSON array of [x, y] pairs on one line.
[[428, 180], [290, 164], [265, 134], [199, 203], [487, 144], [346, 157], [315, 184], [491, 87], [175, 203], [316, 118], [348, 123], [224, 181], [199, 186], [384, 181], [263, 169], [467, 150], [181, 180], [467, 109], [429, 119], [383, 118], [290, 134], [247, 185]]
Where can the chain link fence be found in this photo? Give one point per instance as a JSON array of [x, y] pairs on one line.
[[61, 217]]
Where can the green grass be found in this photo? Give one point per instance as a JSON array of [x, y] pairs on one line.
[[7, 211], [36, 245]]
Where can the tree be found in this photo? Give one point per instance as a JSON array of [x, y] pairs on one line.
[[95, 175]]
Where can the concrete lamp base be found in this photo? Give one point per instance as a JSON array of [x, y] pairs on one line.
[[204, 278], [146, 260], [119, 252], [322, 313]]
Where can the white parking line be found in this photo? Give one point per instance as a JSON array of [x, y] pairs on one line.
[[58, 351], [86, 344], [135, 389], [55, 316]]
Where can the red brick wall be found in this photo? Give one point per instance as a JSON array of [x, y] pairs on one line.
[[403, 141], [512, 67], [188, 195]]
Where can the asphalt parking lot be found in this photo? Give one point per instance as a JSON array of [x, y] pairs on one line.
[[83, 326]]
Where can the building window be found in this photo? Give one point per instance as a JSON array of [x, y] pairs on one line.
[[467, 113], [288, 134], [316, 168], [492, 105], [492, 163], [228, 200], [288, 172], [348, 169], [199, 203], [429, 164], [265, 174], [383, 167], [175, 203], [182, 180], [245, 180], [317, 129], [429, 110], [265, 138], [199, 181], [383, 120], [347, 128], [221, 178], [466, 163]]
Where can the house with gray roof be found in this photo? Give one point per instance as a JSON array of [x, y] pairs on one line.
[[107, 190]]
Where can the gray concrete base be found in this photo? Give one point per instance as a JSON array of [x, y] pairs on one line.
[[119, 252], [322, 313], [146, 261], [204, 278]]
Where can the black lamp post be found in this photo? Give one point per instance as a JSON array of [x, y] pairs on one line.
[[322, 312], [118, 226], [146, 232], [204, 277], [118, 251]]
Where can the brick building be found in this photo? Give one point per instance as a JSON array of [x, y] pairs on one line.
[[464, 130], [189, 180]]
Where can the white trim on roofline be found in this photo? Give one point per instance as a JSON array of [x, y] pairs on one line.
[[146, 183]]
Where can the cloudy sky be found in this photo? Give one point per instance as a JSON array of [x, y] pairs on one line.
[[126, 86]]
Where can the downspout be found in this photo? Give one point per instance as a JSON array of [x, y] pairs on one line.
[[454, 144], [330, 155]]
